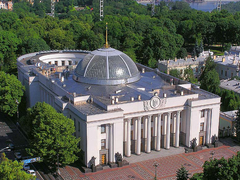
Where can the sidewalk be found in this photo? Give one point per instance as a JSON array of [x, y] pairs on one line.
[[169, 161]]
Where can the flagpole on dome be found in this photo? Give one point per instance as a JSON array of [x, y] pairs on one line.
[[106, 45]]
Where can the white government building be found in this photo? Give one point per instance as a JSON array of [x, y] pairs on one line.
[[117, 105]]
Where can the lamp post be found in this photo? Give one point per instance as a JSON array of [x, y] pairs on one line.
[[17, 109], [155, 165], [212, 153], [58, 163]]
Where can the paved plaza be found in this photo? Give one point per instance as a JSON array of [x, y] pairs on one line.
[[169, 161]]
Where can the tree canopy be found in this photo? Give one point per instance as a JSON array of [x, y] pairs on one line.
[[12, 170], [51, 135], [221, 169], [11, 92]]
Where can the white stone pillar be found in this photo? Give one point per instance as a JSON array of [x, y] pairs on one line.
[[177, 130], [158, 148], [208, 133], [168, 131], [110, 143], [128, 137], [148, 134], [138, 136]]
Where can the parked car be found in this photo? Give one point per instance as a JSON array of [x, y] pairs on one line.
[[26, 167], [32, 172], [11, 146], [18, 155]]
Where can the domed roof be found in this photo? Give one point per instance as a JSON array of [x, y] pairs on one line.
[[106, 66]]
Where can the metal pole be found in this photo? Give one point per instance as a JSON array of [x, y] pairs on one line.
[[17, 109], [155, 165], [58, 163]]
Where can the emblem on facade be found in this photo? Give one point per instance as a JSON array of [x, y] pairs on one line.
[[154, 103]]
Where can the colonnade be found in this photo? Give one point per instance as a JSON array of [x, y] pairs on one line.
[[151, 132]]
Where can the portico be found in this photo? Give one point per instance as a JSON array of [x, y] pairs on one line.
[[151, 132]]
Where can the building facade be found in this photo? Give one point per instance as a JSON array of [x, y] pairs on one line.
[[118, 106], [6, 5]]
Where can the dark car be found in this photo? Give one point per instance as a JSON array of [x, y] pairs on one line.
[[11, 146]]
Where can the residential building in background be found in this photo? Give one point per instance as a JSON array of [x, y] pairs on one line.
[[227, 123], [6, 5]]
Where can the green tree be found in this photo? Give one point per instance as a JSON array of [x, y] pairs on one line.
[[12, 170], [182, 173], [51, 135], [175, 73], [210, 82], [221, 169], [189, 76], [11, 91]]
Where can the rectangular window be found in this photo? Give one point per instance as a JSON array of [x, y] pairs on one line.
[[225, 73], [103, 143], [231, 75], [202, 126], [103, 129], [63, 63], [78, 126], [56, 63], [70, 63], [202, 113], [221, 72]]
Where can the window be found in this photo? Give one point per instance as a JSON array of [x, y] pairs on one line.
[[202, 113], [49, 62], [78, 126], [103, 143], [231, 75], [70, 63], [221, 72], [202, 126], [225, 73], [56, 63], [103, 129], [63, 63]]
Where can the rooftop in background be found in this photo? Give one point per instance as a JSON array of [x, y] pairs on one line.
[[233, 85]]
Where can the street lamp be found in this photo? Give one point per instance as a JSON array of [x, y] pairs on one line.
[[212, 153], [58, 163], [155, 165], [17, 109]]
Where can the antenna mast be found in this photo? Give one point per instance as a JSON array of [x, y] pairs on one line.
[[52, 7], [219, 6], [101, 10], [106, 45], [153, 7]]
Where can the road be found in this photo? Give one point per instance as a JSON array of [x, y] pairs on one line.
[[10, 131]]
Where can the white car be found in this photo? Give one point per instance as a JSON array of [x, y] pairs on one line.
[[32, 172], [26, 167], [18, 155]]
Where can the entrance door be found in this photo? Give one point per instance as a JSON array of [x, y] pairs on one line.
[[103, 159], [201, 141]]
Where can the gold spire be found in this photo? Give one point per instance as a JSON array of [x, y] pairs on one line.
[[106, 45]]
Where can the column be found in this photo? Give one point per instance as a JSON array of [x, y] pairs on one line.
[[148, 134], [110, 143], [135, 135], [163, 137], [145, 133], [158, 148], [208, 126], [138, 136], [177, 130], [168, 131], [154, 138], [128, 137]]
